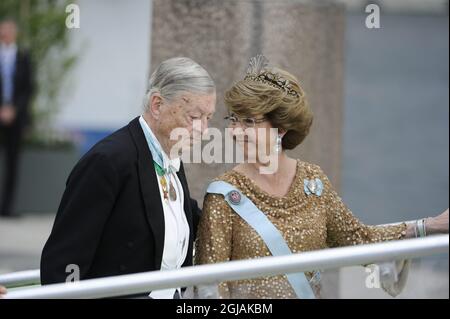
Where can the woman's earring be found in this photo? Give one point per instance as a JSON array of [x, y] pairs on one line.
[[278, 147]]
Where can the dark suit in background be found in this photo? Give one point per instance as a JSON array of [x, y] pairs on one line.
[[12, 134]]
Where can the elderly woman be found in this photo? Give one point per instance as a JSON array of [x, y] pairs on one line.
[[296, 204]]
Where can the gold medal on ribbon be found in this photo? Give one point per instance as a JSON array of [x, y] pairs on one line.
[[172, 192], [163, 182]]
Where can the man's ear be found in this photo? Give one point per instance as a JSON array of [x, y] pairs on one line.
[[155, 105]]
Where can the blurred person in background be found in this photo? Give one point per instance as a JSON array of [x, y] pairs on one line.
[[16, 89]]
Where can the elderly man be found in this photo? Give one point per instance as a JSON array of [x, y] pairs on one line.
[[126, 208], [16, 88]]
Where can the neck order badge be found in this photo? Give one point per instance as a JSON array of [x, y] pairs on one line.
[[171, 193], [162, 170]]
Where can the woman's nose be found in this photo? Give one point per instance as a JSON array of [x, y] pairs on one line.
[[237, 131]]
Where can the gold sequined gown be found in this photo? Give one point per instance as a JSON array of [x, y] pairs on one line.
[[307, 222]]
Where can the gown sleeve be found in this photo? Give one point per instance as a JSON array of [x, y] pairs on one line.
[[344, 229], [214, 237]]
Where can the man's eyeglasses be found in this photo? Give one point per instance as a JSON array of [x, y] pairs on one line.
[[247, 122]]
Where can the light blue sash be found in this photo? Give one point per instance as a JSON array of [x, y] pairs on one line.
[[268, 232]]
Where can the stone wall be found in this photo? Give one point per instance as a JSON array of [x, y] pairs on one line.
[[304, 37]]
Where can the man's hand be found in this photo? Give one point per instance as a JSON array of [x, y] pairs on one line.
[[2, 291], [7, 115]]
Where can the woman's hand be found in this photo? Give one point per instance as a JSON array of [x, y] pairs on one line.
[[2, 291], [438, 224]]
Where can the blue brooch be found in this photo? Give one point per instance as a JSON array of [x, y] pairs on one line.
[[313, 186]]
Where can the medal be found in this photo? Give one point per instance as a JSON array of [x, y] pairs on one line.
[[162, 179], [172, 192], [168, 191], [234, 197], [163, 182]]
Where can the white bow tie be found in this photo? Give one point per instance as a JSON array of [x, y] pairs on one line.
[[174, 164]]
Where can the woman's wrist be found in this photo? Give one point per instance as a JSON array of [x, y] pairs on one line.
[[432, 227], [411, 231], [421, 228], [428, 226]]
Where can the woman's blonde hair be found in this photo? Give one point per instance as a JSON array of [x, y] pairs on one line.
[[290, 112]]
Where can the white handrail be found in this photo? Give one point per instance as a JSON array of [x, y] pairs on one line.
[[21, 278], [33, 277], [236, 270]]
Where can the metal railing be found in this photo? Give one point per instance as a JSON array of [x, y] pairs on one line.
[[21, 278], [33, 277], [236, 270]]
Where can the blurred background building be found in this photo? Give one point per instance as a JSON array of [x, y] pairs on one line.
[[380, 97]]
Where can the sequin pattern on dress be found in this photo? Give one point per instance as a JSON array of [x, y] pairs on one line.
[[306, 222]]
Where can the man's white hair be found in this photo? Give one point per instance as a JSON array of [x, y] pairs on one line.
[[178, 75]]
